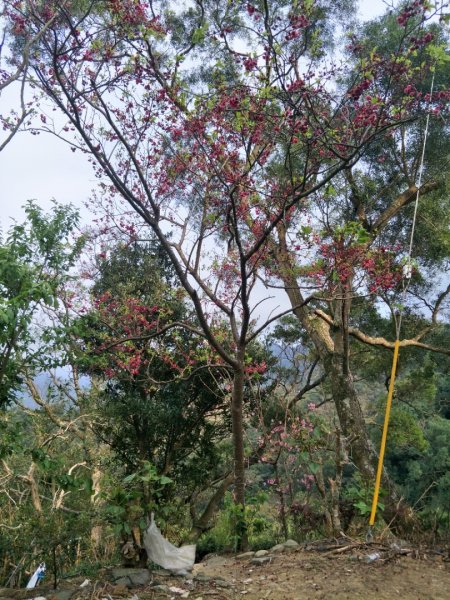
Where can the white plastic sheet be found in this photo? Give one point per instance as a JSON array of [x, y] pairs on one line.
[[165, 554]]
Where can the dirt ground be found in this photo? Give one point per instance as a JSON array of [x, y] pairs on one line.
[[311, 575], [298, 575]]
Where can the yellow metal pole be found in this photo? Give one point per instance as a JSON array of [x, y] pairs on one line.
[[384, 436]]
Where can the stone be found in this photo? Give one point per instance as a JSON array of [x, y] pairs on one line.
[[221, 583], [131, 577], [117, 573], [245, 555], [291, 546], [209, 556], [261, 561], [261, 553], [140, 577], [135, 576], [278, 548], [202, 578], [64, 594], [215, 561]]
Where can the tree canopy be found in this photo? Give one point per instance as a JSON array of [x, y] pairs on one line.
[[35, 262]]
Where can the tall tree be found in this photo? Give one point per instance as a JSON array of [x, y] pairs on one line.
[[358, 236]]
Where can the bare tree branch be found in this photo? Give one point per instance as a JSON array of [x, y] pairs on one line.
[[383, 342]]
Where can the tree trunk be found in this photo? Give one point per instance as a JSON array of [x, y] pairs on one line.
[[320, 484], [237, 404], [202, 524], [34, 489], [283, 515], [96, 530]]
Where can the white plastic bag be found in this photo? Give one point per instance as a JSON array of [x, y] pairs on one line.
[[37, 576], [165, 554]]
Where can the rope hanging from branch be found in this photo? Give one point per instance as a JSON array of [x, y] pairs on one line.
[[406, 280]]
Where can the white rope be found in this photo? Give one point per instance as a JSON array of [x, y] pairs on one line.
[[408, 267], [419, 182]]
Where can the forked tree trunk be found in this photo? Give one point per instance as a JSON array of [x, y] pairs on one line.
[[333, 352], [359, 446]]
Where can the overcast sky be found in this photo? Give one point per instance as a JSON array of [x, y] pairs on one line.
[[43, 167]]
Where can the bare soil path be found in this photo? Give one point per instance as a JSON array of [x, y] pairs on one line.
[[310, 575]]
